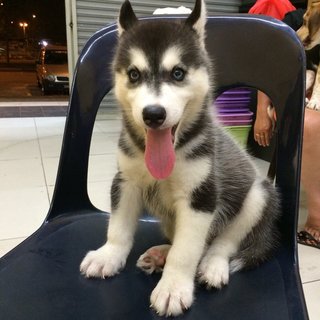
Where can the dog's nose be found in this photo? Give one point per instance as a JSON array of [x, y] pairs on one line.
[[154, 116]]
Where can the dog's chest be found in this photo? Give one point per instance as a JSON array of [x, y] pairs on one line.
[[159, 198]]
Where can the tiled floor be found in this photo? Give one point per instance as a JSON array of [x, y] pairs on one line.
[[29, 154], [25, 112]]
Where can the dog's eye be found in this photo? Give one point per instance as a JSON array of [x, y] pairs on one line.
[[134, 75], [177, 74]]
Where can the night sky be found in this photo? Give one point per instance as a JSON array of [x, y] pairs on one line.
[[49, 21]]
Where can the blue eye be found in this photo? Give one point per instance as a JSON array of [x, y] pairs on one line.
[[134, 75], [177, 74]]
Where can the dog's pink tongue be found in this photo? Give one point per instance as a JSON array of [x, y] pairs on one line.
[[159, 153]]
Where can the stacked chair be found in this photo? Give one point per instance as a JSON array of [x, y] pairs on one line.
[[233, 111]]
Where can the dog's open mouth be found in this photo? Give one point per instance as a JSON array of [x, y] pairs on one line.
[[159, 152]]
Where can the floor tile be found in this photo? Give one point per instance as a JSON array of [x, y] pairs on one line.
[[47, 127], [9, 112], [99, 194], [17, 123], [108, 113], [50, 146], [19, 149], [56, 111], [50, 166], [309, 263], [109, 126], [21, 174], [9, 244], [17, 129], [102, 167], [103, 143], [31, 112], [50, 192], [303, 209], [22, 211], [312, 296], [50, 134]]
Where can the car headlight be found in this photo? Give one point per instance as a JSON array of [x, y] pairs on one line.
[[50, 77]]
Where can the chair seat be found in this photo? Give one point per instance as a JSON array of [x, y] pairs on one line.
[[46, 267]]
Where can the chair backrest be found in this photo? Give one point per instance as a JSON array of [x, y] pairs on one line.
[[250, 51]]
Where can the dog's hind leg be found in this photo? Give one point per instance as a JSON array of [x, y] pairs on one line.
[[154, 259], [215, 266], [111, 257]]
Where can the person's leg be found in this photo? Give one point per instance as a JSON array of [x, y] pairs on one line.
[[311, 170]]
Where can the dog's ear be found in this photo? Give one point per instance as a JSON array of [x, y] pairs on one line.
[[127, 18], [197, 19]]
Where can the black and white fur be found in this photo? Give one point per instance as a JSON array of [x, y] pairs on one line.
[[215, 209]]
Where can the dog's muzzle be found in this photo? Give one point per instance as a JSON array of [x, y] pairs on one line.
[[154, 116]]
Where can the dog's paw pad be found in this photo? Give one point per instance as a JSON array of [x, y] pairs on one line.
[[154, 259], [214, 272], [101, 264], [173, 297]]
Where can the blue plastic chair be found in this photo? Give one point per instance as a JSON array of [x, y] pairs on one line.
[[40, 278]]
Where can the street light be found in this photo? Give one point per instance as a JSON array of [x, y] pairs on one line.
[[23, 25]]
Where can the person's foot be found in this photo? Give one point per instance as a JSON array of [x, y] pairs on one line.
[[315, 232], [309, 237]]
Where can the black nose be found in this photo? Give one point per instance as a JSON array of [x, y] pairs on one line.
[[154, 116]]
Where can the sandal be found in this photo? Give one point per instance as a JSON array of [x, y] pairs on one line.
[[305, 238]]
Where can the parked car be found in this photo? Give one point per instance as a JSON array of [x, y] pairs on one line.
[[52, 69]]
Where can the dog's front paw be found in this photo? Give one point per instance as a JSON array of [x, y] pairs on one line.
[[172, 296], [314, 104], [214, 271], [105, 262]]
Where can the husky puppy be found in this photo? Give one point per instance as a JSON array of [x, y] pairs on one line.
[[177, 162]]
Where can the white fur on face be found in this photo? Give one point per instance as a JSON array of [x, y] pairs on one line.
[[171, 58], [172, 98], [181, 100], [138, 59]]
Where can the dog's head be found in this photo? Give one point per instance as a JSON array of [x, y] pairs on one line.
[[161, 72], [309, 33]]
